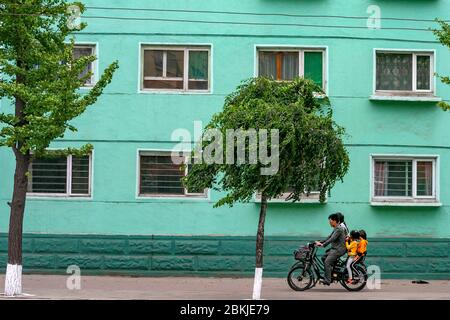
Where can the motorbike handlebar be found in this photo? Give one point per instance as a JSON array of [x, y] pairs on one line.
[[313, 244]]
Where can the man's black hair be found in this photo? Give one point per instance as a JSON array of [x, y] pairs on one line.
[[354, 234], [334, 217], [341, 216]]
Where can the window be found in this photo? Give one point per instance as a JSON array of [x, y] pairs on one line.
[[286, 64], [60, 176], [404, 73], [176, 68], [312, 197], [160, 174], [83, 51], [404, 179]]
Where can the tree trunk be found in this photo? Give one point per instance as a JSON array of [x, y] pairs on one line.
[[13, 278], [260, 249]]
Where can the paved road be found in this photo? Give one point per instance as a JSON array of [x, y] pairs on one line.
[[169, 288]]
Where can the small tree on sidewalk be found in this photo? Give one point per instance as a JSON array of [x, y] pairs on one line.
[[306, 149], [39, 74], [443, 36]]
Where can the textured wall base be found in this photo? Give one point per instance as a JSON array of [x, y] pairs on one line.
[[398, 258]]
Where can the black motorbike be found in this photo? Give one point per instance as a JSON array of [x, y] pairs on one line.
[[309, 269]]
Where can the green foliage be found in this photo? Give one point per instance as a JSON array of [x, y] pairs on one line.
[[311, 151], [443, 36], [39, 71], [77, 152]]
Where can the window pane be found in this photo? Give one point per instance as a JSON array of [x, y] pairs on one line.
[[198, 84], [198, 70], [153, 63], [289, 69], [159, 175], [423, 72], [394, 71], [268, 64], [163, 84], [424, 178], [48, 175], [393, 178], [175, 63], [79, 52], [198, 65], [80, 175], [314, 67]]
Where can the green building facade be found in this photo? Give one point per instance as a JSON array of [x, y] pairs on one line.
[[116, 212]]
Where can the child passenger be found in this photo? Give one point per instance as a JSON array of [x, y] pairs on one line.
[[352, 246], [362, 245]]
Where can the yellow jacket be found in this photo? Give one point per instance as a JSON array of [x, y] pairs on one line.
[[351, 248]]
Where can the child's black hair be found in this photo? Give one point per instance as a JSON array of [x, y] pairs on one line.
[[354, 234], [363, 234]]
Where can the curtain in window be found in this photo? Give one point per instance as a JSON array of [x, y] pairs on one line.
[[424, 178], [423, 72], [394, 71], [380, 179], [268, 64], [289, 68], [198, 65], [393, 178], [198, 70], [153, 63], [83, 52], [175, 63]]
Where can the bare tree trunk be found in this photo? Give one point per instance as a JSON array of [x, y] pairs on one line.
[[13, 278], [260, 249]]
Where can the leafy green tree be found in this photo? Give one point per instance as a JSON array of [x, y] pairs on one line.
[[310, 152], [443, 35], [41, 78]]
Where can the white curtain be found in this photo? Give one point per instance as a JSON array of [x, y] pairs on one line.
[[290, 65], [268, 64]]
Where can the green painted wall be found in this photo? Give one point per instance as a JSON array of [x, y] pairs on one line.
[[214, 255], [114, 210], [124, 121]]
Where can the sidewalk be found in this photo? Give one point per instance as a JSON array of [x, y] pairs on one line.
[[173, 288]]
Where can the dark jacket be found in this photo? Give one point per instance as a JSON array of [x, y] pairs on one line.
[[337, 240]]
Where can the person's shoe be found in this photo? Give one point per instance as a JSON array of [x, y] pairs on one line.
[[325, 283], [349, 281]]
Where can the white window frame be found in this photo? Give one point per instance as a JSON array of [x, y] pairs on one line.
[[94, 64], [139, 195], [434, 198], [301, 66], [69, 193], [414, 91], [176, 47]]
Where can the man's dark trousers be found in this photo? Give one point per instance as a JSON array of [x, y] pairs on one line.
[[329, 259]]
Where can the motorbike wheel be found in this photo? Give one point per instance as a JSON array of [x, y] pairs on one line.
[[359, 278], [299, 282]]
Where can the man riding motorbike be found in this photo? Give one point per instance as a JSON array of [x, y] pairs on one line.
[[337, 241]]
